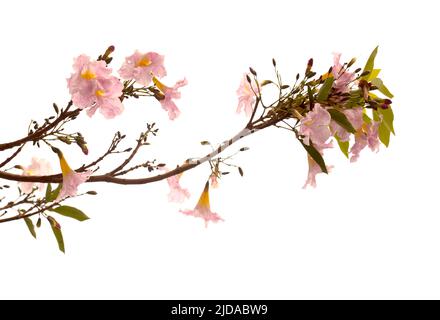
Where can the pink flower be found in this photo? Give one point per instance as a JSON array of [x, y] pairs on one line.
[[203, 209], [71, 179], [170, 93], [354, 116], [213, 180], [315, 126], [342, 80], [142, 67], [246, 97], [177, 193], [92, 86], [367, 136], [38, 167], [314, 168]]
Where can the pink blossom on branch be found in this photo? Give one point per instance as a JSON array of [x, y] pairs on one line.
[[92, 86], [177, 193], [170, 93], [342, 78], [315, 126], [38, 167], [354, 116], [368, 135], [142, 67], [314, 168], [203, 209], [71, 179], [246, 97]]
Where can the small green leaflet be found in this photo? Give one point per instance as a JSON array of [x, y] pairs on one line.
[[343, 145], [56, 229], [370, 63], [382, 88], [71, 212], [342, 120], [52, 195], [310, 94], [325, 89], [315, 156], [30, 226], [373, 74]]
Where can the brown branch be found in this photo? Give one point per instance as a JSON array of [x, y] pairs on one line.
[[43, 130], [12, 156]]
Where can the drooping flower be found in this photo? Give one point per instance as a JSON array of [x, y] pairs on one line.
[[354, 116], [342, 76], [203, 209], [315, 126], [38, 167], [314, 168], [71, 178], [368, 135], [92, 86], [246, 97], [170, 93], [177, 193], [142, 67]]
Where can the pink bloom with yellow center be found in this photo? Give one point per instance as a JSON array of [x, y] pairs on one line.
[[315, 126], [142, 67], [213, 179], [38, 167], [71, 179], [93, 86], [177, 193], [342, 78], [314, 168], [170, 93], [367, 136], [354, 116], [203, 209], [246, 97]]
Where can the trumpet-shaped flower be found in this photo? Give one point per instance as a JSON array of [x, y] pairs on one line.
[[177, 193], [342, 76], [71, 178], [142, 67], [367, 136], [354, 116], [170, 93], [314, 168], [203, 209], [92, 86], [246, 97], [315, 126], [38, 167]]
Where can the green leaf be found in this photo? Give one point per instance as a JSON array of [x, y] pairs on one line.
[[374, 73], [71, 212], [48, 191], [30, 226], [366, 118], [343, 145], [342, 120], [315, 156], [56, 229], [325, 89], [310, 94], [387, 118], [384, 132], [370, 63], [382, 88], [54, 194]]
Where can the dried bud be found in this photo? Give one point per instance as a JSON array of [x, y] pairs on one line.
[[92, 193], [352, 61], [248, 78], [309, 65], [65, 140], [84, 148], [39, 222], [274, 62], [253, 71]]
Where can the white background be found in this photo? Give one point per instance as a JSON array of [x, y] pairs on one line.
[[369, 230]]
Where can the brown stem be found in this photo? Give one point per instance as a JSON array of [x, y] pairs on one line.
[[43, 130]]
